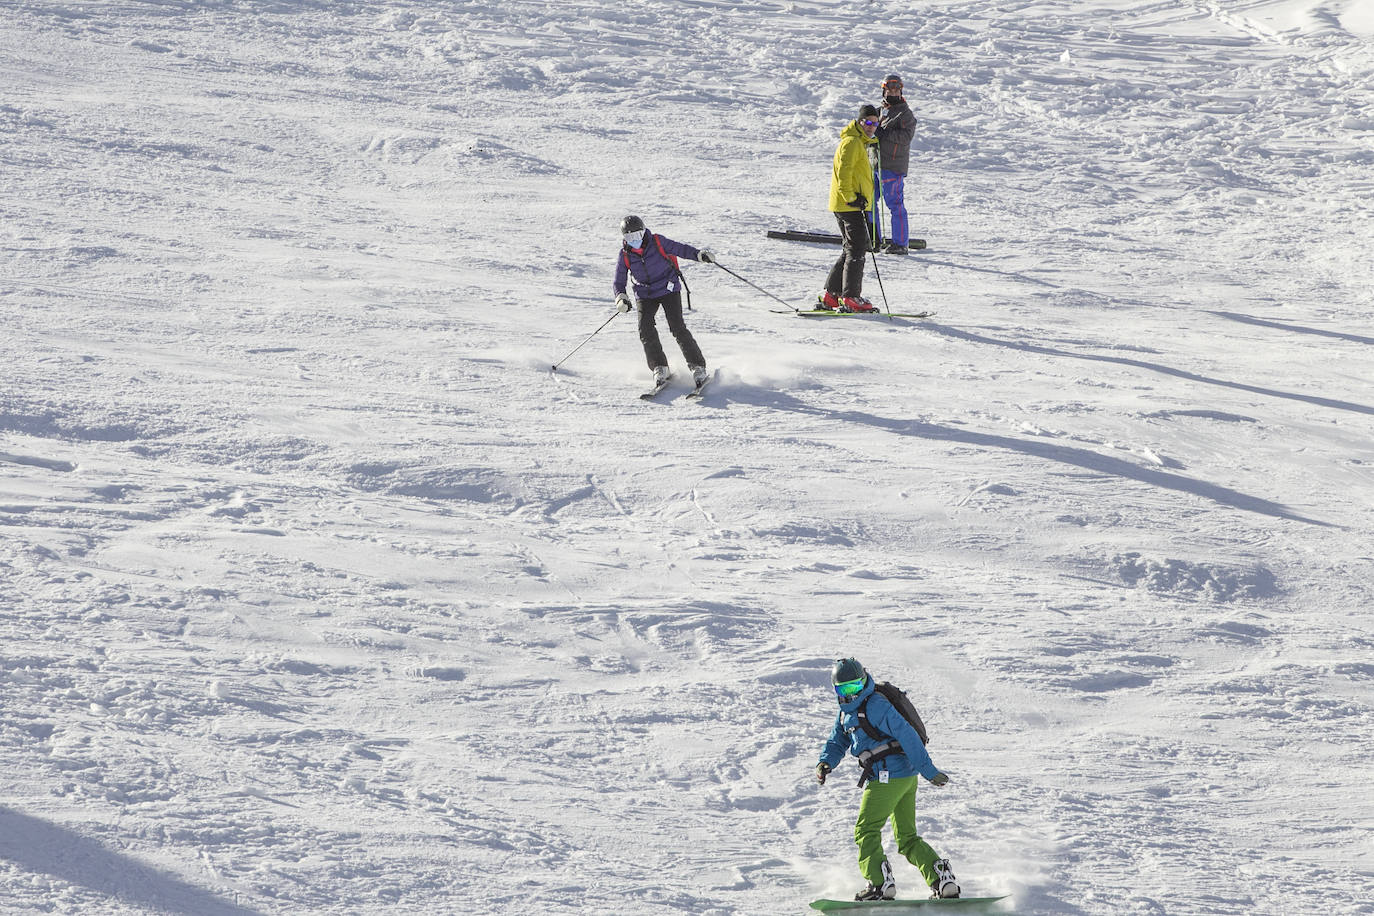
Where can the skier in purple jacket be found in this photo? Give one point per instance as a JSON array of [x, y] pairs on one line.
[[651, 262]]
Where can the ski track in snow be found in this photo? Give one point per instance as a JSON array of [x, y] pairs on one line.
[[322, 594]]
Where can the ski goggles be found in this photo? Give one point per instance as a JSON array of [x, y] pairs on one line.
[[869, 122], [635, 239], [847, 689]]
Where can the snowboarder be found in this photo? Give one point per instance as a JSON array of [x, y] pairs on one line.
[[851, 191], [896, 128], [890, 767], [651, 261]]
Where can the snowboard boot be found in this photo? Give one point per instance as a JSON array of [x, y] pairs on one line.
[[887, 890], [661, 374], [698, 375], [857, 304], [945, 886], [894, 248], [827, 302]]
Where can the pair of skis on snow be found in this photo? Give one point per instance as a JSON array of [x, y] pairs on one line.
[[828, 238], [935, 903], [827, 313], [692, 395]]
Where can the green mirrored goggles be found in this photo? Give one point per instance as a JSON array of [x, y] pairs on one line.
[[850, 688]]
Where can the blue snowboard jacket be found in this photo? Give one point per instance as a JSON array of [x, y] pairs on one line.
[[849, 735], [654, 275]]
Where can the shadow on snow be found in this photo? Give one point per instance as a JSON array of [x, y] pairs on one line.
[[1049, 451], [1301, 329], [1315, 400], [41, 847]]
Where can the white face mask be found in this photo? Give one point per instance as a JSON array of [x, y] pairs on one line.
[[635, 239]]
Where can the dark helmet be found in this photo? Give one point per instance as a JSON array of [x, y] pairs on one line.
[[849, 678], [631, 224], [892, 85], [846, 669], [867, 111]]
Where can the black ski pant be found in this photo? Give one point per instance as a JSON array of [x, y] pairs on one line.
[[648, 332], [847, 276]]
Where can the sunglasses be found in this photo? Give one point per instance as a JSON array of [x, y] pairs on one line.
[[850, 688], [869, 122]]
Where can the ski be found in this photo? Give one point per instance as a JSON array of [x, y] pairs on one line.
[[654, 391], [825, 313], [825, 238], [696, 392], [828, 906], [798, 235]]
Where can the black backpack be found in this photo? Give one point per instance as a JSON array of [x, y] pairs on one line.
[[900, 702]]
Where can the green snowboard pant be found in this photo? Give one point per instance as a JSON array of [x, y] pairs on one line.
[[895, 800]]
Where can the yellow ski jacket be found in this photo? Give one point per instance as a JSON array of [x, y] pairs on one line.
[[853, 173]]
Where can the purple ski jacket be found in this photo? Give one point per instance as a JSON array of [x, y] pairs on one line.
[[654, 275]]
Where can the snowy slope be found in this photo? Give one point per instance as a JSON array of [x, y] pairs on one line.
[[322, 594]]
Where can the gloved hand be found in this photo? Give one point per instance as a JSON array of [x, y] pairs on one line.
[[623, 302], [822, 771], [859, 201], [706, 257], [939, 780]]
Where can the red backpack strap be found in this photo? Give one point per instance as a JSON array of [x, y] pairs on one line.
[[666, 256]]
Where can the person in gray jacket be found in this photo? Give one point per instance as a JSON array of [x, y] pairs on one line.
[[896, 128]]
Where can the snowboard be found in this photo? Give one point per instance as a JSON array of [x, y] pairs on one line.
[[828, 906]]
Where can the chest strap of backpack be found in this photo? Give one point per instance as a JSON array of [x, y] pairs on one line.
[[873, 755], [869, 728]]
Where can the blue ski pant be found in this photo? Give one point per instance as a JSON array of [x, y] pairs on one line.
[[894, 195]]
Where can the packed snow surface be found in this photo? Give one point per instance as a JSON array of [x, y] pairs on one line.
[[321, 593]]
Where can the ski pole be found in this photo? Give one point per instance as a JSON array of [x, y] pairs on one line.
[[877, 213], [880, 286], [757, 287], [585, 342]]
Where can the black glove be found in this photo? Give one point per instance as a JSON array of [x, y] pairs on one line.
[[859, 201], [939, 780], [822, 771], [706, 257]]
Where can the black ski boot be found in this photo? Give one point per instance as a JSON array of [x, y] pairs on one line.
[[885, 891]]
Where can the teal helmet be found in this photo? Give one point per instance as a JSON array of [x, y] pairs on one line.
[[849, 678]]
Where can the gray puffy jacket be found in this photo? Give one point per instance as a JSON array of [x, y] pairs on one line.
[[895, 132]]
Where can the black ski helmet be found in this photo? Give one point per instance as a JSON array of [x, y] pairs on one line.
[[892, 85], [631, 224], [847, 669], [867, 111]]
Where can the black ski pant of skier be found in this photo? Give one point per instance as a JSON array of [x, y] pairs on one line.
[[648, 332], [847, 276]]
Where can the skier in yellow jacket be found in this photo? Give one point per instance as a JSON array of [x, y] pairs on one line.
[[851, 190]]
